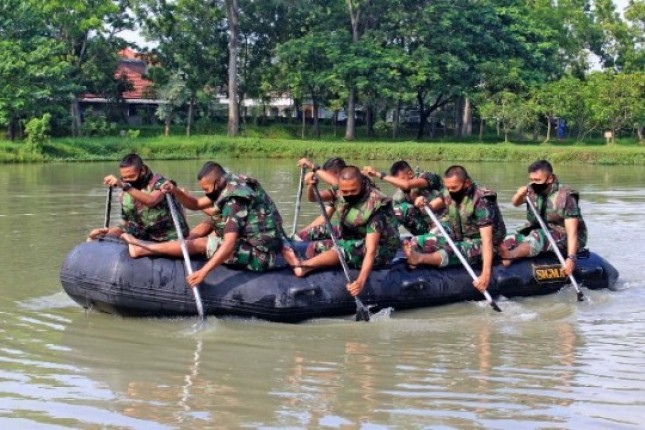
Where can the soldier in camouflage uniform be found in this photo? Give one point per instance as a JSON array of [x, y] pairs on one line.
[[144, 210], [558, 207], [411, 185], [474, 222], [317, 230], [246, 227], [369, 235]]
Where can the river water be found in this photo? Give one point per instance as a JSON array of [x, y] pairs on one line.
[[545, 362]]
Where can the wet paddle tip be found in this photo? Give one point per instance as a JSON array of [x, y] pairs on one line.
[[363, 315], [495, 307], [581, 297]]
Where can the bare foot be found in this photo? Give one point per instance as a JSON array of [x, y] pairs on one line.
[[411, 254], [136, 249], [294, 262], [506, 255]]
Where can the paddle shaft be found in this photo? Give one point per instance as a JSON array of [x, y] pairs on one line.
[[463, 260], [554, 245], [108, 207], [184, 251], [361, 308], [303, 169]]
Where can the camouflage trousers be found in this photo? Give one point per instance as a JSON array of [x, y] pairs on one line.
[[319, 232], [412, 218], [429, 243], [353, 250], [244, 256], [537, 241]]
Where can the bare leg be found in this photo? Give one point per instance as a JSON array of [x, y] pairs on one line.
[[326, 259], [521, 251], [139, 248], [416, 258]]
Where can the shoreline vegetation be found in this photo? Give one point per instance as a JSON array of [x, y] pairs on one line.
[[209, 146]]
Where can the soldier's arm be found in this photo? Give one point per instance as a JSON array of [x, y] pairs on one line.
[[405, 184], [146, 199], [371, 247], [190, 202]]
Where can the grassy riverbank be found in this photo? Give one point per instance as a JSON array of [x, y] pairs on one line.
[[210, 146]]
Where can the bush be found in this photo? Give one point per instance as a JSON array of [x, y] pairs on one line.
[[37, 130]]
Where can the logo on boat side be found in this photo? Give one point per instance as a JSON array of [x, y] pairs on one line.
[[549, 273]]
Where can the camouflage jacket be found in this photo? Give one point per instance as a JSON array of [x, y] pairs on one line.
[[150, 223], [560, 204], [244, 207], [372, 214], [478, 209], [432, 191]]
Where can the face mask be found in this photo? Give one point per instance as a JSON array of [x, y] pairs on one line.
[[214, 195], [458, 196], [140, 182], [353, 199], [539, 188]]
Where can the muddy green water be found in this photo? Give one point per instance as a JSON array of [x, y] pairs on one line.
[[546, 362]]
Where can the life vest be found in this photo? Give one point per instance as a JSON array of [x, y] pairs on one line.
[[263, 224], [463, 219]]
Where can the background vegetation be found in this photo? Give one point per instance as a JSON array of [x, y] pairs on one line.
[[511, 67]]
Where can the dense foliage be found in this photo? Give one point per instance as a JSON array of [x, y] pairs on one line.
[[517, 68]]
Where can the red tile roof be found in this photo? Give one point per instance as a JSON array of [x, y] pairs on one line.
[[133, 68]]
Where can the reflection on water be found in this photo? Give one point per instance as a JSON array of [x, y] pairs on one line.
[[546, 362]]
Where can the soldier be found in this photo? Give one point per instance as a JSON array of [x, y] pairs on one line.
[[410, 186], [473, 220], [558, 208], [369, 231], [246, 229], [317, 230], [144, 210]]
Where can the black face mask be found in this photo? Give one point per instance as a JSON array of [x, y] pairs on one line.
[[141, 181], [539, 188], [353, 199], [458, 196], [214, 195]]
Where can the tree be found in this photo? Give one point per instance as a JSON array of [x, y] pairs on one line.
[[34, 73]]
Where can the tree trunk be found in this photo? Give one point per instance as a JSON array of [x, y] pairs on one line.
[[396, 119], [369, 121], [316, 119], [304, 121], [422, 117], [482, 125], [232, 10], [335, 121], [75, 113], [467, 118], [639, 133], [548, 129], [350, 130], [458, 113], [189, 120], [166, 127]]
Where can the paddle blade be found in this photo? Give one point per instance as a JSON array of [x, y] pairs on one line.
[[362, 314], [581, 297], [496, 308]]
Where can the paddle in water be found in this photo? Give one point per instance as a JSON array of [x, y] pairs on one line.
[[554, 246], [184, 251], [459, 255], [362, 312], [108, 208]]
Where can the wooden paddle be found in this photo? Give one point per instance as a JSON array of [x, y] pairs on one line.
[[469, 269], [554, 245], [303, 169], [362, 312], [184, 251]]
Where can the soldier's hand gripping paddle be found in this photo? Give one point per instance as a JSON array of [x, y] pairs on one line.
[[554, 246], [362, 312], [184, 251], [469, 269]]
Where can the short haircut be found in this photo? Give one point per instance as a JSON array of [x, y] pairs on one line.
[[350, 173], [131, 160], [399, 166], [211, 168], [335, 165], [458, 171], [542, 165]]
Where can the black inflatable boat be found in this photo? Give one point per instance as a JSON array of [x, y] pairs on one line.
[[101, 275]]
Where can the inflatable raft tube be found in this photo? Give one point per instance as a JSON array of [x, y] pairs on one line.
[[101, 275]]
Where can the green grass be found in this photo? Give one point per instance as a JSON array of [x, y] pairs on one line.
[[211, 146]]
